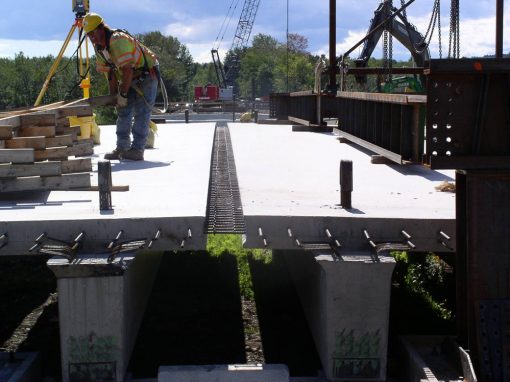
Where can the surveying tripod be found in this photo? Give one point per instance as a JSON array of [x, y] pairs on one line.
[[80, 9]]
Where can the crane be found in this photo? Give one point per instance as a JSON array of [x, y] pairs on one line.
[[227, 76]]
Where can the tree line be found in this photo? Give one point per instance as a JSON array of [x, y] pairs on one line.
[[268, 65]]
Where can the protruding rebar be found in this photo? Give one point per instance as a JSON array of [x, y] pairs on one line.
[[112, 243], [38, 241], [156, 237], [444, 235], [4, 238]]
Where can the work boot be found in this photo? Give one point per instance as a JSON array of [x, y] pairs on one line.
[[115, 154], [132, 154]]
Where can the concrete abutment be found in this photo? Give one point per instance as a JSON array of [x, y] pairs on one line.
[[347, 303]]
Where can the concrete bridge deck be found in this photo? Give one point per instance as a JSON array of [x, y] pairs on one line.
[[287, 180]]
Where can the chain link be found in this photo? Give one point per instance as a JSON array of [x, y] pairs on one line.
[[454, 41]]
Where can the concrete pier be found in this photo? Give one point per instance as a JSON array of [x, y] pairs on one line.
[[347, 303], [101, 306]]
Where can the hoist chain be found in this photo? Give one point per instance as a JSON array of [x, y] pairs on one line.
[[434, 18], [454, 42], [388, 48], [439, 29]]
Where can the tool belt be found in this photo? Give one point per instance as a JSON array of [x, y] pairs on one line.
[[141, 73]]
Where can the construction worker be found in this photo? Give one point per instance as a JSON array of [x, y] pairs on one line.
[[133, 75]]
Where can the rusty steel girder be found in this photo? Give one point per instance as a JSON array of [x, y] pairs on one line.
[[468, 114]]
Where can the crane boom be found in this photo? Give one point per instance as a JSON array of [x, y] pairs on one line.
[[241, 37]]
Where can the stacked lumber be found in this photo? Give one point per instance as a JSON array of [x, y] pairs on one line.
[[38, 148]]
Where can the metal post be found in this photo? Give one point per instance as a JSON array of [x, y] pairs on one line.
[[233, 106], [499, 28], [186, 115], [104, 179], [332, 46], [346, 183]]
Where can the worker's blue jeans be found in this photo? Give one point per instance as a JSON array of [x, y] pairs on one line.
[[135, 117]]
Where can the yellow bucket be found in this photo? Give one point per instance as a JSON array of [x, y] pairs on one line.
[[85, 124]]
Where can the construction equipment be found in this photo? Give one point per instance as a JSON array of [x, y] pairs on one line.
[[80, 9], [227, 75], [386, 20]]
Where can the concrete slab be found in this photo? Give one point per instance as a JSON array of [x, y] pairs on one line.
[[287, 180], [224, 373], [167, 191], [291, 180]]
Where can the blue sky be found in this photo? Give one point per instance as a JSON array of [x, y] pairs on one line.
[[39, 27]]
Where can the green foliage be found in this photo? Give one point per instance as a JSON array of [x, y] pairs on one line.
[[424, 277], [22, 78], [176, 63], [232, 244]]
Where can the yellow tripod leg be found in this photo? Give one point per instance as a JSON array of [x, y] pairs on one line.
[[54, 67]]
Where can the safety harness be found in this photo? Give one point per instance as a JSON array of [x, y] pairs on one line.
[[146, 71]]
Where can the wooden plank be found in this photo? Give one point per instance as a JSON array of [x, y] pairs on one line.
[[51, 153], [49, 183], [75, 110], [16, 155], [33, 169], [79, 149], [6, 131], [13, 120], [61, 123], [122, 188], [403, 99], [60, 140], [83, 148], [72, 130], [46, 131], [38, 119], [106, 100], [26, 142], [76, 165]]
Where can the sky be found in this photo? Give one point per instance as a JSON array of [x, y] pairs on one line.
[[39, 28]]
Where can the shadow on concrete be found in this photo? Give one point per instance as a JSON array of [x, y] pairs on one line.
[[137, 165], [285, 335], [421, 171], [193, 315]]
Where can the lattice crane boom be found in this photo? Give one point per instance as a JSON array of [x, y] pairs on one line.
[[241, 37]]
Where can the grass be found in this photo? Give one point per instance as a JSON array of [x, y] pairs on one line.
[[232, 244]]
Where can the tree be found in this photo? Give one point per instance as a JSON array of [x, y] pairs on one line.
[[297, 43], [176, 63]]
